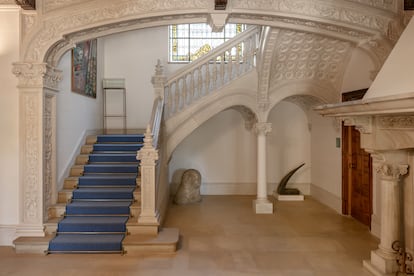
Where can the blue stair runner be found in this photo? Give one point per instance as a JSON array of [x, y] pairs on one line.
[[95, 219]]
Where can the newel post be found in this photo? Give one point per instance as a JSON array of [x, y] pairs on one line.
[[148, 156], [158, 80]]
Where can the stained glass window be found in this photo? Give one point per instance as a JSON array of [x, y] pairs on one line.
[[187, 42]]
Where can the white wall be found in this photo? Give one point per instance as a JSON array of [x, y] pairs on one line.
[[358, 73], [288, 146], [326, 162], [133, 56], [225, 152], [77, 116], [9, 124]]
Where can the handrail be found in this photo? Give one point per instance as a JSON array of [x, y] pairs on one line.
[[155, 121], [213, 53], [217, 68]]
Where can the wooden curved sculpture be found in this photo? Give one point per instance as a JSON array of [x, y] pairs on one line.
[[282, 190]]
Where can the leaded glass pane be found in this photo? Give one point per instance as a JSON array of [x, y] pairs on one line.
[[191, 41]]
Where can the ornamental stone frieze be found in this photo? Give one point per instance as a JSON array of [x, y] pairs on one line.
[[37, 75], [335, 11], [396, 122]]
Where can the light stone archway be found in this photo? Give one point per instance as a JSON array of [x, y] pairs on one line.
[[57, 25]]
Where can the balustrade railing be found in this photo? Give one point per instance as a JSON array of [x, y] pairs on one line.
[[210, 72]]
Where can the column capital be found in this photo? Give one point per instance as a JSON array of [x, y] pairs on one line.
[[37, 75], [263, 128], [392, 171]]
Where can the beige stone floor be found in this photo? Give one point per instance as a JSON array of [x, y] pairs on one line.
[[222, 236]]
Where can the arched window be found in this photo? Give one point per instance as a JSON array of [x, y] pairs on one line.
[[187, 42]]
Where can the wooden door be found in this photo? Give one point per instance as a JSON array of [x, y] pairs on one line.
[[356, 172], [357, 177]]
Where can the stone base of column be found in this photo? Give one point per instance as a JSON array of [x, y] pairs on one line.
[[381, 265], [262, 206]]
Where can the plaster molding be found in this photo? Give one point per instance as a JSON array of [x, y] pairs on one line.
[[306, 56], [53, 28], [268, 42], [362, 123], [336, 11], [391, 171], [396, 122]]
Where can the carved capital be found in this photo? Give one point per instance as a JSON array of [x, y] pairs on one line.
[[392, 171], [362, 123], [263, 128], [37, 75]]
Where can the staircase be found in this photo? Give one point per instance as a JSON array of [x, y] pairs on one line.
[[99, 205], [99, 208]]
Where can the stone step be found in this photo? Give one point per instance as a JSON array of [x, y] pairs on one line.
[[135, 210], [91, 139], [50, 227], [70, 182], [32, 245], [86, 149], [82, 159], [76, 170], [163, 242], [56, 211], [65, 195]]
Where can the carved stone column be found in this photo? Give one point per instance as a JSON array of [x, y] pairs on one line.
[[383, 259], [262, 205], [35, 80], [148, 155]]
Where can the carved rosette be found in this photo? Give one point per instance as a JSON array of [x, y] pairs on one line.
[[36, 75], [392, 171], [263, 128], [148, 154]]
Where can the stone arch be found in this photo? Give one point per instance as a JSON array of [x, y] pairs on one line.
[[243, 103], [58, 25]]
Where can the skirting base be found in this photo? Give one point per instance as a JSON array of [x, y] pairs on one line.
[[289, 197], [262, 206]]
